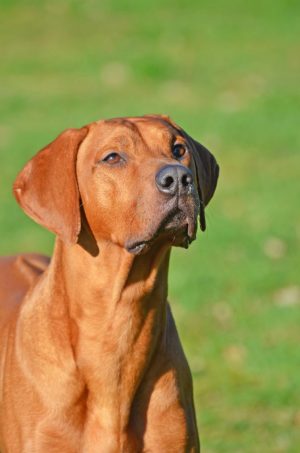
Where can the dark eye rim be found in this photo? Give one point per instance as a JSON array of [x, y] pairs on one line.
[[109, 158], [183, 147]]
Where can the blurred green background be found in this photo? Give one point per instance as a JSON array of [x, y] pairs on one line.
[[228, 72]]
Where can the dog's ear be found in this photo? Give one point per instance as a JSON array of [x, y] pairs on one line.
[[207, 171], [206, 166], [47, 189]]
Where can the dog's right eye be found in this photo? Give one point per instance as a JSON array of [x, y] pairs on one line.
[[113, 159]]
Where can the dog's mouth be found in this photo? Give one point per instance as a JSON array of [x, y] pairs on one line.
[[178, 228]]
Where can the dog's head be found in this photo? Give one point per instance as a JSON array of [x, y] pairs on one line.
[[131, 180]]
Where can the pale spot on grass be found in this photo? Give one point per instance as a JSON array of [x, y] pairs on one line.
[[284, 417], [176, 92], [274, 248], [254, 83], [223, 314], [235, 354], [283, 443], [229, 102], [288, 296], [115, 74]]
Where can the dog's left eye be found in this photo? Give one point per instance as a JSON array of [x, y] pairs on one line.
[[113, 158], [178, 151]]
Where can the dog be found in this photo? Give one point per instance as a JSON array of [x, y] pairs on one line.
[[90, 359]]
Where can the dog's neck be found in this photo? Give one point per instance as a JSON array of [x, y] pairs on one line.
[[117, 307]]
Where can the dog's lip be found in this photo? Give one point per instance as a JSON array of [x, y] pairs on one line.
[[172, 234], [139, 247]]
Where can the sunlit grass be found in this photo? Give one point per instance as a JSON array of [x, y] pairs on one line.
[[228, 72]]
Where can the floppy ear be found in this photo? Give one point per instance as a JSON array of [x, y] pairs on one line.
[[207, 171], [46, 188], [206, 165]]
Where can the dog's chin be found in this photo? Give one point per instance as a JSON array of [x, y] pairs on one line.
[[177, 229]]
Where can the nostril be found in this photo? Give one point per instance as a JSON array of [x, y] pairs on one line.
[[186, 179], [168, 181]]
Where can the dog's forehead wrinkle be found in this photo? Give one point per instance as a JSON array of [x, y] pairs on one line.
[[136, 136], [118, 138], [156, 137]]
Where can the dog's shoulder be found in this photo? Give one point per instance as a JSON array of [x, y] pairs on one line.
[[17, 274]]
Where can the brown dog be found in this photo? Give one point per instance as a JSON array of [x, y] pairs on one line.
[[90, 360]]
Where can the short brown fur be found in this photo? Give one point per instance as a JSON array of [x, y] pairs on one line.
[[90, 359]]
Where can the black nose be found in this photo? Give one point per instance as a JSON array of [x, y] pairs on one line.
[[173, 179]]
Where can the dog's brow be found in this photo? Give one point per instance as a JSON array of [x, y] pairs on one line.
[[155, 136], [117, 139]]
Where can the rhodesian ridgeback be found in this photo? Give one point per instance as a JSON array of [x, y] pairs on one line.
[[90, 359]]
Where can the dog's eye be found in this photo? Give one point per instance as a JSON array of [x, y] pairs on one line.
[[112, 158], [178, 150]]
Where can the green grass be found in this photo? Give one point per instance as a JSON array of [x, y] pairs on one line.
[[229, 73]]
